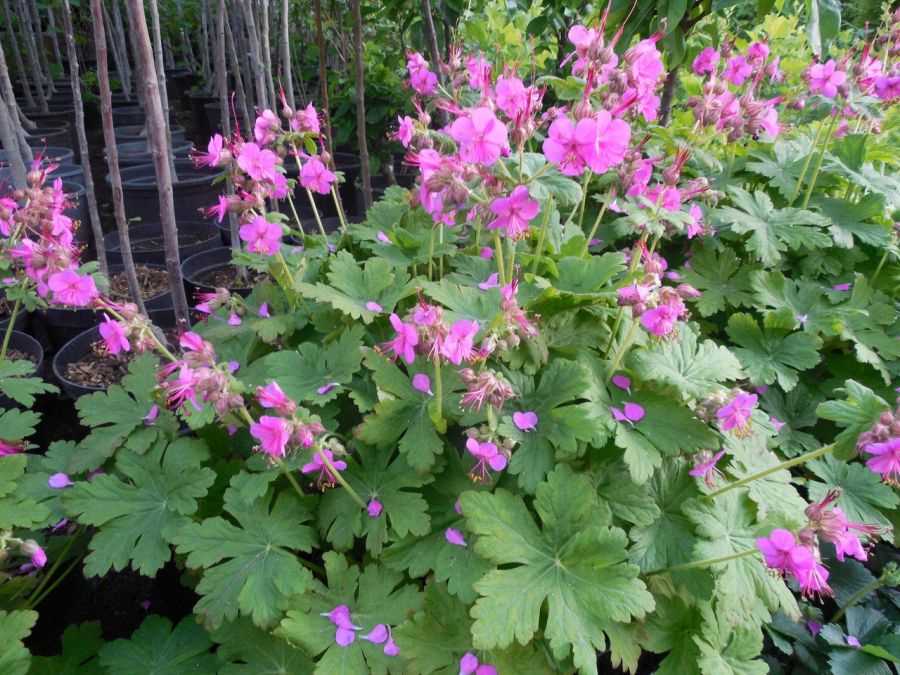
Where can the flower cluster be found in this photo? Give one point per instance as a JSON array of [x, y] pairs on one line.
[[288, 426], [882, 443]]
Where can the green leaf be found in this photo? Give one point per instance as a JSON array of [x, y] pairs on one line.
[[552, 183], [864, 498], [773, 352], [804, 299], [15, 383], [139, 514], [393, 483], [783, 168], [80, 644], [746, 593], [774, 495], [563, 424], [853, 220], [16, 510], [376, 595], [772, 231], [302, 372], [157, 649], [856, 414], [671, 630], [690, 367], [16, 424], [15, 626], [729, 648], [116, 417], [244, 649], [823, 23], [465, 302], [574, 564], [250, 568], [350, 286], [628, 501], [722, 278]]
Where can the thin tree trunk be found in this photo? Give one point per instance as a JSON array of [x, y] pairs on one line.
[[668, 93], [204, 38], [286, 75], [116, 29], [96, 228], [138, 69], [238, 78], [30, 52], [360, 72], [118, 56], [222, 85], [11, 145], [112, 155], [323, 74], [161, 82], [255, 55], [431, 37], [54, 39], [6, 89], [156, 126], [17, 57], [188, 50], [41, 47], [266, 46]]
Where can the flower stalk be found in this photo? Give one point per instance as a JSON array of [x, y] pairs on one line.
[[796, 461], [706, 562]]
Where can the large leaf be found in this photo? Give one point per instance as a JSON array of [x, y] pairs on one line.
[[158, 649], [855, 414], [853, 221], [15, 626], [16, 384], [139, 514], [17, 510], [247, 650], [823, 22], [574, 564], [721, 277], [80, 644]]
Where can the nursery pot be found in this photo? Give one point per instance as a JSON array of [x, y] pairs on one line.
[[76, 348], [214, 117], [56, 154], [198, 112], [136, 132], [193, 270], [75, 192], [68, 172], [57, 135], [350, 165], [23, 342], [62, 324], [147, 245], [137, 152], [159, 301], [193, 190]]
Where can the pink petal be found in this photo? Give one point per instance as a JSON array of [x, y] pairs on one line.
[[634, 412], [525, 421]]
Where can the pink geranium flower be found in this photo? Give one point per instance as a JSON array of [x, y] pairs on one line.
[[470, 665], [272, 397], [257, 162], [421, 79], [266, 128], [422, 383], [660, 321], [70, 288], [454, 536], [735, 415], [488, 456], [325, 477], [706, 61], [511, 96], [114, 336], [568, 145], [825, 78], [482, 138], [405, 130], [525, 420], [705, 466], [458, 345], [9, 448], [273, 434], [613, 136], [306, 120], [214, 152], [832, 525], [261, 236], [514, 213], [886, 459], [737, 70], [315, 176], [404, 343]]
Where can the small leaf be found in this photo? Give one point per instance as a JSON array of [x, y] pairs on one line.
[[856, 414], [15, 626]]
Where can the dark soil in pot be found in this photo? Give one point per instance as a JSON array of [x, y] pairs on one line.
[[209, 270], [153, 281], [58, 325], [193, 190], [147, 244]]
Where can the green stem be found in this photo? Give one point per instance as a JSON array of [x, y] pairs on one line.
[[293, 481], [873, 585], [584, 194], [340, 209], [9, 329], [707, 562], [441, 256], [340, 479], [498, 253], [796, 461], [431, 255], [802, 176], [312, 203], [635, 257], [56, 582], [436, 407], [512, 261], [623, 348], [60, 559], [296, 215], [539, 253], [881, 262], [596, 225], [821, 158]]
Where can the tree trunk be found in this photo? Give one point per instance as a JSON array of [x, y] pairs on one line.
[[431, 38], [238, 78], [267, 55], [116, 29], [323, 74], [156, 126], [54, 39], [286, 75], [222, 85], [360, 71], [6, 89], [161, 83], [204, 39], [35, 16], [256, 63], [11, 145], [112, 154], [668, 93], [30, 52], [13, 43], [96, 227], [138, 70]]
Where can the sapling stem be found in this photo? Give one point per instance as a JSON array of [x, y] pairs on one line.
[[539, 253], [498, 253], [796, 461], [623, 347], [707, 562], [819, 160], [9, 329], [587, 243], [806, 163]]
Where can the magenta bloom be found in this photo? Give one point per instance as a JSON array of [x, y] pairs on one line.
[[778, 550], [630, 412], [458, 345], [488, 457], [306, 120], [345, 632], [256, 162], [405, 130], [114, 336], [261, 236], [266, 128], [421, 79], [737, 70], [832, 525], [569, 146], [374, 508], [482, 138], [511, 96], [735, 416], [373, 306], [325, 477], [36, 553], [220, 210], [479, 71], [273, 434], [378, 635], [493, 281], [454, 536], [886, 459], [315, 176], [70, 288], [525, 421], [660, 321], [705, 466], [706, 61], [470, 665], [213, 155], [623, 382], [58, 481], [404, 344], [514, 213], [272, 397], [825, 78], [613, 136], [421, 382]]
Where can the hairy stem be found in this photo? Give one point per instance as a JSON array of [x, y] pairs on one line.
[[796, 461]]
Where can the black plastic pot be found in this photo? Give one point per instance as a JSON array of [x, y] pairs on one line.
[[68, 172], [135, 132], [198, 112], [137, 153], [178, 81], [52, 153], [76, 348], [23, 342], [379, 185], [78, 211], [192, 191], [147, 243], [130, 115], [195, 267], [57, 135], [161, 301], [214, 117], [350, 165], [61, 325], [21, 323]]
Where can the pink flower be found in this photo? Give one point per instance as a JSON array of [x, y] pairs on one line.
[[482, 138], [272, 397], [622, 382], [706, 61], [735, 416], [486, 252], [705, 466], [306, 120], [405, 130], [660, 321], [525, 421], [33, 550], [267, 126], [493, 281], [645, 64], [114, 336], [234, 319], [345, 632], [325, 477], [256, 162], [454, 536], [758, 51], [825, 78], [261, 236], [479, 72], [70, 288], [373, 306], [487, 456], [315, 176], [404, 344], [273, 434], [511, 96], [421, 382], [813, 578], [58, 481], [886, 460], [326, 388], [514, 213], [737, 70], [421, 79], [458, 345], [374, 508], [377, 635], [469, 665], [613, 136], [832, 525], [151, 415], [769, 123], [569, 146], [630, 412], [778, 550], [220, 210], [213, 155]]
